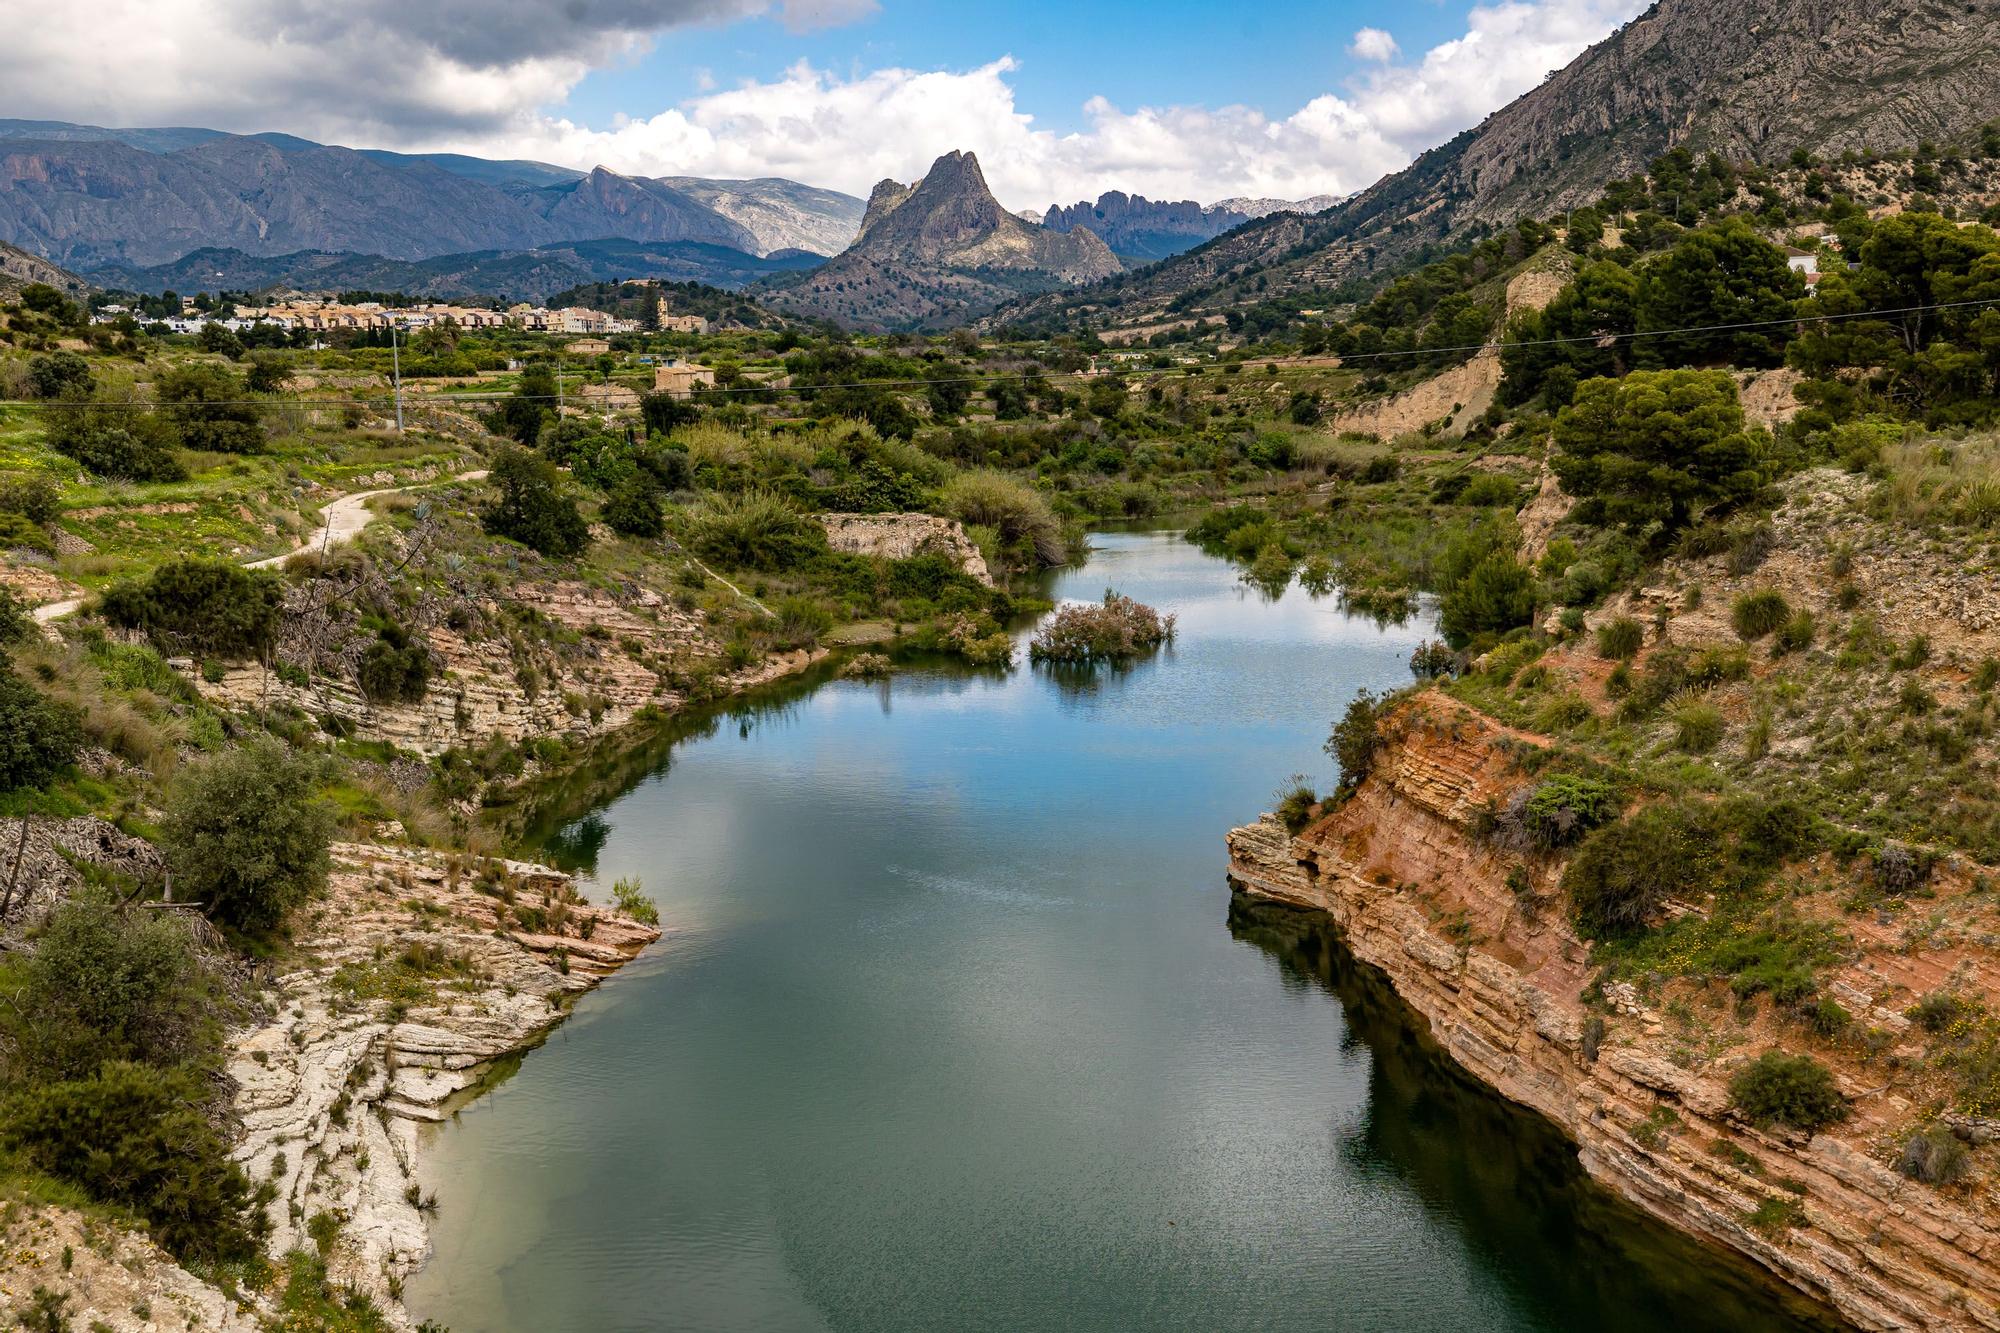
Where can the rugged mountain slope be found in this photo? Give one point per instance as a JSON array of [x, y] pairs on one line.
[[18, 268], [1258, 208], [780, 214], [87, 197], [1751, 79], [1142, 228], [530, 275], [941, 251], [607, 204]]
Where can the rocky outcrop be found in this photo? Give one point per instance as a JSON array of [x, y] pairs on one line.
[[632, 652], [1143, 228], [108, 1278], [413, 977], [780, 214], [943, 251], [900, 536], [1498, 975], [40, 856]]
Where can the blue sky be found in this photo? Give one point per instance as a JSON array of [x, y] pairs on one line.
[[1273, 56]]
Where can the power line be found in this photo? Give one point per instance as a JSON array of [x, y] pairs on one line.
[[443, 399]]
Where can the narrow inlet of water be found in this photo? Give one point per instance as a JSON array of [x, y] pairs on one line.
[[955, 1027]]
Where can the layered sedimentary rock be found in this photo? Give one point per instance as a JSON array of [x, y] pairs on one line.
[[900, 536], [332, 1091], [1499, 976]]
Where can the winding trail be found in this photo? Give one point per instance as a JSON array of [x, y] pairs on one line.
[[340, 522]]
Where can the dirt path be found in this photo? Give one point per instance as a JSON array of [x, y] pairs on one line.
[[340, 522]]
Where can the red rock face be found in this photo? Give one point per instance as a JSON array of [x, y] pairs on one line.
[[1420, 895]]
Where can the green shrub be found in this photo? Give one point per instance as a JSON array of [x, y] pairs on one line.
[[104, 985], [246, 834], [1490, 489], [200, 608], [1356, 737], [1939, 1010], [35, 496], [634, 903], [116, 442], [39, 737], [1565, 807], [1792, 1090], [396, 667], [1621, 639], [1758, 613], [1017, 511], [1624, 872], [801, 621], [1795, 635], [58, 374], [531, 506], [207, 409], [634, 508], [1295, 805], [131, 1135], [1935, 1156], [1697, 726], [757, 530], [1828, 1018]]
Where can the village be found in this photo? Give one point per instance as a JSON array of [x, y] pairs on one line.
[[322, 313]]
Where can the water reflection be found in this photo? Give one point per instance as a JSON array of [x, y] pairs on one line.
[[1509, 1181]]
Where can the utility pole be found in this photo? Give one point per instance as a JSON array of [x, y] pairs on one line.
[[396, 368]]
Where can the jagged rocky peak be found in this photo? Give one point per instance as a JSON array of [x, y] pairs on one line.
[[928, 254]]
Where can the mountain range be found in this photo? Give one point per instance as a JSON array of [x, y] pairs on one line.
[[532, 274], [90, 198], [941, 251], [1752, 80], [1144, 229]]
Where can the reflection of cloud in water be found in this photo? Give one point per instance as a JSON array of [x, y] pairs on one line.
[[957, 886]]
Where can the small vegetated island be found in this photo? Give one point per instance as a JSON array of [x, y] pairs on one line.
[[1116, 630]]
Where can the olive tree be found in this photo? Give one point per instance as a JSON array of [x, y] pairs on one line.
[[246, 834]]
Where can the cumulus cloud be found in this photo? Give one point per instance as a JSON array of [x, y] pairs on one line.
[[1374, 44], [374, 71], [847, 133], [478, 76]]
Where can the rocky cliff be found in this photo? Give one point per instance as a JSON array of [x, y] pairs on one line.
[[1142, 228], [900, 536], [940, 252], [1501, 979], [780, 214]]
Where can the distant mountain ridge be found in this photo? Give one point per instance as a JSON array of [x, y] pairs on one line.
[[1144, 229], [89, 196], [530, 274], [940, 251], [781, 214], [1751, 79]]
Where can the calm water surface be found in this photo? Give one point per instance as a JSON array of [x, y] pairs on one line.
[[955, 1028]]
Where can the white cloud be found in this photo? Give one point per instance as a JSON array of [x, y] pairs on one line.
[[424, 76], [850, 132], [369, 72], [1374, 44]]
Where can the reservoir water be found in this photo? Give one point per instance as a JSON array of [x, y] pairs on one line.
[[955, 1027]]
